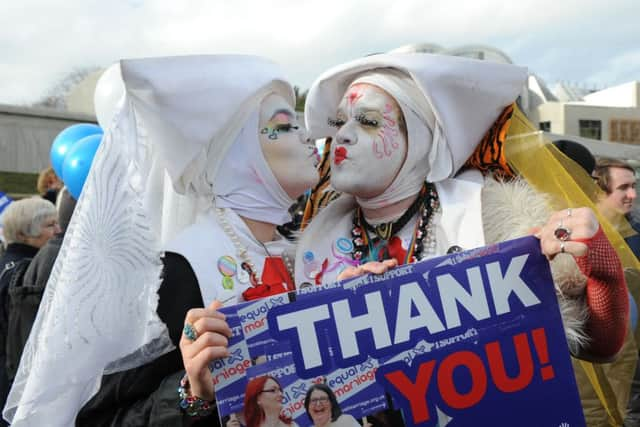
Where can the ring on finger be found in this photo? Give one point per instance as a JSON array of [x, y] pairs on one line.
[[562, 233], [568, 212], [562, 247], [190, 332]]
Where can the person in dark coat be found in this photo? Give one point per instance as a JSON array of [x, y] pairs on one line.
[[27, 225], [24, 299]]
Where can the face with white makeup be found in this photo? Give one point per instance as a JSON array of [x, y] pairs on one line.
[[291, 156], [371, 142]]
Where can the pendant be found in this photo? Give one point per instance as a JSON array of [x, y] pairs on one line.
[[305, 285], [243, 276], [227, 266], [344, 245], [227, 283], [384, 230], [454, 249]]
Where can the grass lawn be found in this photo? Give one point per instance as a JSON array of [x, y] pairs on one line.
[[18, 185]]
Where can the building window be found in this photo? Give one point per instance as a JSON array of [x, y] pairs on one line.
[[545, 126], [591, 129]]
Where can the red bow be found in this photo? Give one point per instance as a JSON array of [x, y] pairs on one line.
[[275, 280]]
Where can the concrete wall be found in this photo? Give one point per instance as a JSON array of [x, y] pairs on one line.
[[550, 112], [26, 135], [617, 150], [624, 120], [618, 124]]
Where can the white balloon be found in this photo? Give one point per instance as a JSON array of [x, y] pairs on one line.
[[108, 95]]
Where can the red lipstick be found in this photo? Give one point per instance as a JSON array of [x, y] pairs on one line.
[[339, 154]]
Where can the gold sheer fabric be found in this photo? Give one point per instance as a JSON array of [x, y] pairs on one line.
[[550, 171]]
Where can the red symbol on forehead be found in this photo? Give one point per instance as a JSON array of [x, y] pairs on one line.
[[355, 94]]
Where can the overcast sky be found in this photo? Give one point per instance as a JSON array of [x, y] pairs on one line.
[[591, 42]]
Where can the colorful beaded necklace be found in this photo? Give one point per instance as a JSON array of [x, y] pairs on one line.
[[365, 248]]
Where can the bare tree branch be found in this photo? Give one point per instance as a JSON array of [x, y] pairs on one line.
[[56, 97]]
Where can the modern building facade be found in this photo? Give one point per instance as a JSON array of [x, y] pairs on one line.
[[26, 135], [605, 121], [612, 114]]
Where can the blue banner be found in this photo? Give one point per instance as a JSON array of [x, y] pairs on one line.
[[473, 338], [230, 374], [4, 201]]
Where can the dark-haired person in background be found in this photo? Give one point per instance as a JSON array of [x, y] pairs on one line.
[[323, 409], [578, 153]]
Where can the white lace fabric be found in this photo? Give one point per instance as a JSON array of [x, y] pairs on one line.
[[109, 244], [150, 179]]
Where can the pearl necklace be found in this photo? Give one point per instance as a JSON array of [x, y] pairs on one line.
[[243, 253]]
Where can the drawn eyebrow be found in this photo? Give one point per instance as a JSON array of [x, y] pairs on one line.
[[366, 110], [282, 111]]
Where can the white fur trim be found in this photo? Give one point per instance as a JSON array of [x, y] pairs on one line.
[[509, 210]]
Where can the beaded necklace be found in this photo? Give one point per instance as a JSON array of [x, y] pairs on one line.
[[243, 253], [426, 204]]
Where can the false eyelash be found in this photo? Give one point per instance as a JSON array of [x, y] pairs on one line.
[[336, 123], [361, 118], [286, 128]]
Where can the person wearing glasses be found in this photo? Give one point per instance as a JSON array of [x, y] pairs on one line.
[[231, 420], [323, 409], [263, 404]]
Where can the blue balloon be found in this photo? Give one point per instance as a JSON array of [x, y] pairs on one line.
[[77, 163], [66, 139]]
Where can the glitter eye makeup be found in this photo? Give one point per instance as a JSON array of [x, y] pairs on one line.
[[373, 114], [336, 123], [368, 137], [279, 122], [363, 120]]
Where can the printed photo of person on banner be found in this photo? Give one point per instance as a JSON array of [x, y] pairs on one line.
[[263, 403], [471, 335], [355, 386], [274, 393], [324, 410]]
